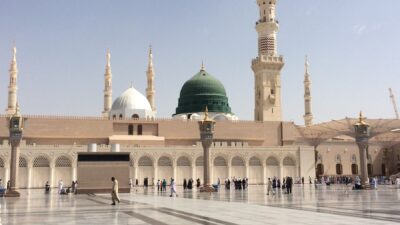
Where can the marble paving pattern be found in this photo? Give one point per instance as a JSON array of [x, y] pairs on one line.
[[336, 204]]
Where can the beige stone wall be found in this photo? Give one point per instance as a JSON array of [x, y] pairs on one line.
[[35, 177], [344, 152], [70, 130]]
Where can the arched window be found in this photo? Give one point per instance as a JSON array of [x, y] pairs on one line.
[[63, 161], [130, 129], [339, 169], [200, 161], [140, 129], [22, 162], [353, 158], [135, 116], [120, 116], [114, 117], [354, 169], [320, 169], [41, 161], [370, 169]]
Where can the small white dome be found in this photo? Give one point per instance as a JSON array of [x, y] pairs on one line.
[[131, 99]]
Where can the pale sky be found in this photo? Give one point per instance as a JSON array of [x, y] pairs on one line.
[[353, 48]]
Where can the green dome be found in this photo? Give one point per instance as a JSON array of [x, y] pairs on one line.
[[201, 90]]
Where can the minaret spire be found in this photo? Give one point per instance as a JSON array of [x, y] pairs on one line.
[[307, 96], [107, 86], [267, 65], [150, 91], [12, 87]]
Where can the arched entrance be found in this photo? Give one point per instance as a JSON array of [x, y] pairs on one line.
[[63, 170], [320, 169], [272, 164], [220, 169], [289, 167], [238, 169], [165, 169], [22, 173], [146, 169], [41, 172], [183, 169], [255, 171], [199, 168]]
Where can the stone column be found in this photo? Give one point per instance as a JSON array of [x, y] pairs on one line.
[[362, 133], [155, 173], [247, 170], [206, 176], [229, 170], [281, 170], [135, 174], [174, 168], [264, 174], [206, 127], [51, 175], [194, 171], [29, 176], [73, 168], [14, 168], [363, 148]]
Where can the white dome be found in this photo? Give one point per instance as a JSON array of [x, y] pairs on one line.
[[131, 99]]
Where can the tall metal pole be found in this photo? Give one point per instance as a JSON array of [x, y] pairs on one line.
[[361, 129], [206, 127], [15, 128]]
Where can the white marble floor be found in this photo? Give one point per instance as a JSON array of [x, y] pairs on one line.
[[334, 205]]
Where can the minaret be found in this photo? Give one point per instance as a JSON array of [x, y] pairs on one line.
[[150, 91], [107, 87], [12, 86], [307, 97], [267, 66]]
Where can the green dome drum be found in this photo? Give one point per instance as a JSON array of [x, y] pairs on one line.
[[201, 90]]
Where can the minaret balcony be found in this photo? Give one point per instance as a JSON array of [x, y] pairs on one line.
[[267, 59]]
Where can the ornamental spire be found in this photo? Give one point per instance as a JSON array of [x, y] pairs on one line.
[[307, 96], [12, 87], [107, 86], [150, 90]]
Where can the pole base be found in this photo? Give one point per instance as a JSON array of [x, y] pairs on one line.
[[12, 193], [207, 188]]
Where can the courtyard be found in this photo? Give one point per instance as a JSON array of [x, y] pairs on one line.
[[336, 204]]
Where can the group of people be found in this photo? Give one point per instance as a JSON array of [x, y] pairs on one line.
[[238, 183], [63, 190], [162, 186], [275, 183], [188, 184]]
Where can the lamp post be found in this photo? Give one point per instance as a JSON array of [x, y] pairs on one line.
[[15, 128], [206, 127], [362, 129]]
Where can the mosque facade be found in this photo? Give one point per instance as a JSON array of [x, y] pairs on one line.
[[160, 148]]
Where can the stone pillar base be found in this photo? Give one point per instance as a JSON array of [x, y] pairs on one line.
[[12, 193], [207, 189]]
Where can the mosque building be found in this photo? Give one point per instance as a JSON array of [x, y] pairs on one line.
[[160, 148]]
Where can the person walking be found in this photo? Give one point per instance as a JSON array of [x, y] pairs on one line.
[[269, 188], [184, 184], [60, 186], [164, 185], [114, 191], [173, 188]]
